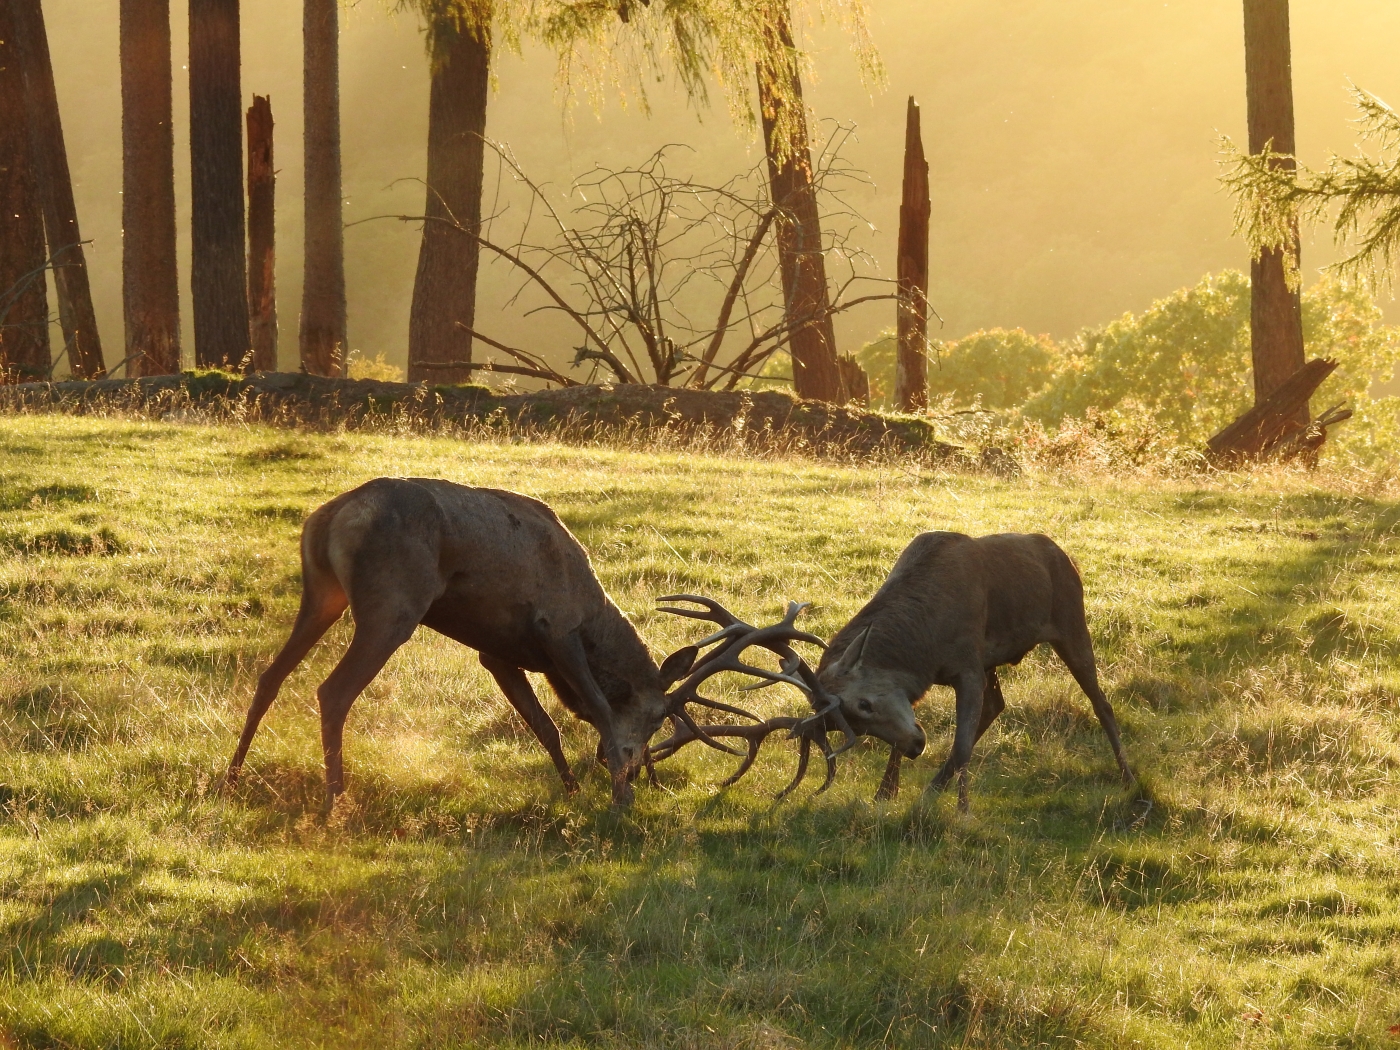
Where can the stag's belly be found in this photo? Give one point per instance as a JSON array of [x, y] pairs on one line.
[[500, 629]]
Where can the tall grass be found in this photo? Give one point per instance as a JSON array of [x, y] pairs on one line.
[[456, 898]]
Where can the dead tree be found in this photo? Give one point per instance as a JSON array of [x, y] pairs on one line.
[[262, 237], [787, 143], [1269, 430], [323, 322], [444, 290], [150, 278], [911, 360], [219, 270], [24, 308], [631, 265], [1276, 312], [76, 317]]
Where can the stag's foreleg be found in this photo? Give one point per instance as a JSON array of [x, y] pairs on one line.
[[571, 663], [522, 697], [993, 704], [970, 687], [1077, 651], [322, 603]]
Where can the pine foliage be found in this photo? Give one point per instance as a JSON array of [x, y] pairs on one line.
[[1360, 195]]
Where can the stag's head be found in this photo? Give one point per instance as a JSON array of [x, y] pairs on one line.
[[641, 703], [875, 700]]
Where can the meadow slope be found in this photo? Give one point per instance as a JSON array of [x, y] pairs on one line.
[[1246, 632]]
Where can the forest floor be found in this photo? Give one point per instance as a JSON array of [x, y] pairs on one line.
[[1247, 633]]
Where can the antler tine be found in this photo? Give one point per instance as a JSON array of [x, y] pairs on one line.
[[804, 754], [700, 734], [830, 757], [715, 612]]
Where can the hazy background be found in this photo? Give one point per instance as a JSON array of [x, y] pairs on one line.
[[1072, 147]]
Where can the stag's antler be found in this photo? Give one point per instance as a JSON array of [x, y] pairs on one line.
[[733, 637]]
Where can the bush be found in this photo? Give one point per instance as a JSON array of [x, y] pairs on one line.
[[997, 368], [1185, 361]]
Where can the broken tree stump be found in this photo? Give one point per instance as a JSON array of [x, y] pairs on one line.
[[1271, 430], [262, 238]]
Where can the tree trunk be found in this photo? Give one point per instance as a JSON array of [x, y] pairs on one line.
[[911, 360], [262, 237], [444, 292], [219, 274], [150, 279], [24, 300], [1276, 311], [65, 243], [323, 290], [799, 232]]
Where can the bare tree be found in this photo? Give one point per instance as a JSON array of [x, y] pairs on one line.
[[642, 258], [150, 280], [262, 237], [444, 291], [323, 323], [1276, 312], [77, 319], [219, 274], [24, 310]]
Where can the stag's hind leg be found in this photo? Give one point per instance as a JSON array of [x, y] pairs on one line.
[[522, 697], [1077, 651], [376, 639], [322, 603]]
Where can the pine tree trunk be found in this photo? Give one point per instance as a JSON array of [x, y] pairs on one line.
[[323, 291], [150, 279], [1276, 312], [24, 301], [911, 361], [262, 237], [799, 233], [219, 273], [76, 317], [444, 292]]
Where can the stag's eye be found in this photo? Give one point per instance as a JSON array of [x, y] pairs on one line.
[[866, 707]]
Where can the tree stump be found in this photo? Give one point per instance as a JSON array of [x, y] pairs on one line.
[[1270, 430]]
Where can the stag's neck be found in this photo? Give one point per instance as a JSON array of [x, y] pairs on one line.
[[893, 645], [614, 648]]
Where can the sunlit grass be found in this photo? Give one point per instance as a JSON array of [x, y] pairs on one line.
[[1247, 633]]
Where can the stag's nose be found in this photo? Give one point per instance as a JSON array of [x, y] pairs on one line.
[[916, 746]]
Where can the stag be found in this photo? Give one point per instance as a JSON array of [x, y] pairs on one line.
[[500, 573], [952, 610]]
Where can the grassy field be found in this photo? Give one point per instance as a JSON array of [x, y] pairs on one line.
[[1246, 631]]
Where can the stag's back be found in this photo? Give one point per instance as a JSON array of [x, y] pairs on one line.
[[950, 596]]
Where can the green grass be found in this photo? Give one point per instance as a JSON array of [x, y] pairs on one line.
[[1248, 639]]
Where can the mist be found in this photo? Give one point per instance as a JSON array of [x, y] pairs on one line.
[[1072, 149]]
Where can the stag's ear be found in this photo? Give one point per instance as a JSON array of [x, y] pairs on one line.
[[854, 654], [677, 665]]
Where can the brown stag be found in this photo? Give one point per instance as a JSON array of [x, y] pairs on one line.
[[500, 573], [952, 611]]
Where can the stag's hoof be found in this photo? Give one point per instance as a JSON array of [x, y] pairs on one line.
[[885, 793]]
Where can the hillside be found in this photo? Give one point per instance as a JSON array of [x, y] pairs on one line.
[[1247, 637]]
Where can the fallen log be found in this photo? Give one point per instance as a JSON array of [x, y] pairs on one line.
[[1270, 430], [766, 420]]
